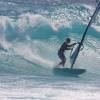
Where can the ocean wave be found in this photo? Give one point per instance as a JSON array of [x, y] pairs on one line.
[[36, 37]]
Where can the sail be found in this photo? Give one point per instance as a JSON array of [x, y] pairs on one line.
[[84, 35]]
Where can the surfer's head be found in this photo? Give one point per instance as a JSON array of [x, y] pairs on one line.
[[68, 40]]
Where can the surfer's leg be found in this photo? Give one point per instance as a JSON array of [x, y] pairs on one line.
[[62, 58]]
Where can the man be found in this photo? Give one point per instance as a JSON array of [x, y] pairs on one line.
[[65, 46]]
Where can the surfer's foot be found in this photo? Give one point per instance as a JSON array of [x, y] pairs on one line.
[[61, 65]]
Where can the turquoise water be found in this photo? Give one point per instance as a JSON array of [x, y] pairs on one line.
[[31, 33]]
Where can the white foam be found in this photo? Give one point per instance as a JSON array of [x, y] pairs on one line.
[[54, 91], [3, 24], [31, 20], [31, 54], [96, 27]]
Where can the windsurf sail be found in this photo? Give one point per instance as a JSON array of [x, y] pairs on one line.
[[77, 50]]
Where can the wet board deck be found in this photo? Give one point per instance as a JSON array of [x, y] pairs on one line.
[[68, 71]]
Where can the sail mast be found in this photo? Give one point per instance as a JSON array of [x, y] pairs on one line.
[[85, 32]]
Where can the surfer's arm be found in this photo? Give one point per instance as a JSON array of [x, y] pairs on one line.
[[73, 44], [70, 47]]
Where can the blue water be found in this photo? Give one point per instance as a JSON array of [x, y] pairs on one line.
[[31, 32]]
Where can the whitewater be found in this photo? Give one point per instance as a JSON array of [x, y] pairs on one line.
[[31, 32]]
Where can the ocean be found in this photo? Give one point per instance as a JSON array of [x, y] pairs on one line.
[[31, 32]]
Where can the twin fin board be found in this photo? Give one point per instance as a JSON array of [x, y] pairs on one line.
[[68, 71]]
